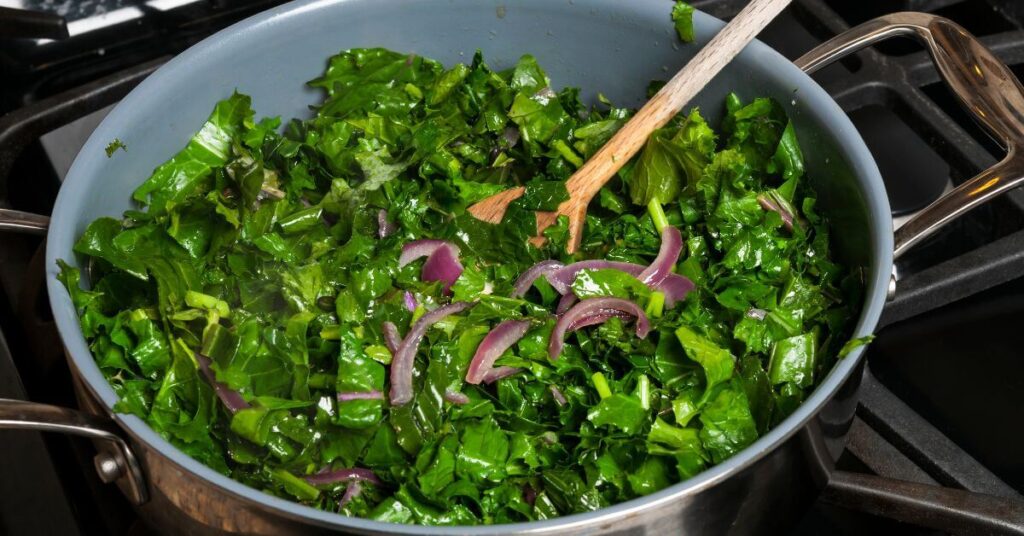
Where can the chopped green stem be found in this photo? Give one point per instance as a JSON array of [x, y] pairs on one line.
[[657, 214], [655, 304], [330, 333], [322, 380], [644, 385], [567, 153], [379, 353], [601, 384], [413, 91], [416, 314]]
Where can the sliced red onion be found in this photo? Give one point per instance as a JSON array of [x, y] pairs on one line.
[[775, 203], [442, 265], [675, 288], [595, 311], [563, 278], [456, 397], [392, 339], [558, 396], [658, 275], [565, 303], [343, 475], [499, 339], [498, 373], [525, 281], [367, 395], [529, 495], [401, 364], [410, 301], [385, 227], [353, 490], [668, 255], [232, 399], [422, 248], [511, 136], [757, 314]]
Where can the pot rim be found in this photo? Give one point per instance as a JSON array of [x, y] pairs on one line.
[[812, 96]]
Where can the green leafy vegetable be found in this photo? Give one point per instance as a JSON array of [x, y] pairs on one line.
[[272, 249], [682, 16], [113, 146]]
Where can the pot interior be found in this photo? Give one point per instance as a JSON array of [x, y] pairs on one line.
[[604, 46]]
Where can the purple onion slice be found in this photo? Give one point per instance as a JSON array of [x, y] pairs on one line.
[[422, 248], [773, 202], [343, 475], [392, 339], [668, 255], [385, 227], [456, 397], [556, 393], [410, 301], [529, 495], [498, 373], [658, 276], [499, 339], [675, 288], [563, 278], [442, 265], [353, 490], [565, 303], [595, 311], [401, 364], [511, 136], [232, 399], [525, 281], [367, 395]]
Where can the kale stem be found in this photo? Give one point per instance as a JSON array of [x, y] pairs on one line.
[[657, 214], [645, 391], [420, 311], [655, 304], [601, 385]]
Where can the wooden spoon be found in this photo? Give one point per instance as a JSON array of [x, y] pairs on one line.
[[588, 180]]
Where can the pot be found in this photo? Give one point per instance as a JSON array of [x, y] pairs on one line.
[[600, 44]]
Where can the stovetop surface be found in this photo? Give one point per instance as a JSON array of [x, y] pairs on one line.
[[941, 399]]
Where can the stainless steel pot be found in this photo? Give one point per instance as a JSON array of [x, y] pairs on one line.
[[600, 44]]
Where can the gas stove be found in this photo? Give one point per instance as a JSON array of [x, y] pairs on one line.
[[944, 380]]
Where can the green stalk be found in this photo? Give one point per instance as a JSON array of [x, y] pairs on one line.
[[331, 333], [655, 304], [657, 214], [321, 380], [645, 391], [601, 385], [420, 311]]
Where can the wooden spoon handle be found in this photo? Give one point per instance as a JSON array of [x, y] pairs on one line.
[[711, 59]]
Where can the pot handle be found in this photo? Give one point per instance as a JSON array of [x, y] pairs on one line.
[[982, 83], [950, 510], [23, 222], [121, 463]]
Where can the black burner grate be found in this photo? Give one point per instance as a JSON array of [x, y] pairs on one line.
[[922, 141]]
